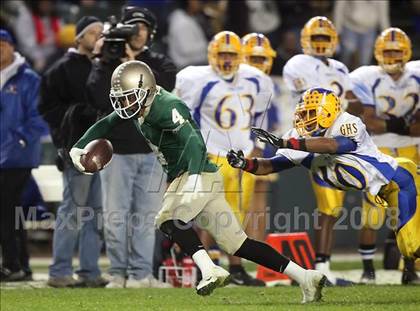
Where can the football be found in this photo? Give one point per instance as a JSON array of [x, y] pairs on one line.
[[98, 156]]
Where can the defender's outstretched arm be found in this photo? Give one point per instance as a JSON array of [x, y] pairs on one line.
[[258, 166], [334, 145]]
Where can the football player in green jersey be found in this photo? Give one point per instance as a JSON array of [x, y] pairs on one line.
[[195, 193]]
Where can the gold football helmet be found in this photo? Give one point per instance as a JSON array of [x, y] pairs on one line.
[[257, 51], [133, 87], [317, 110], [319, 37], [225, 53], [393, 49]]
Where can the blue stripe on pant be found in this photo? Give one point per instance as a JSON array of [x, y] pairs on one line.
[[406, 195]]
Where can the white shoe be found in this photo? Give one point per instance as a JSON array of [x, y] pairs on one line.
[[116, 281], [324, 268], [147, 282], [312, 286], [218, 277]]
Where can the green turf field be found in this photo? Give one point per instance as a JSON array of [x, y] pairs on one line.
[[235, 298]]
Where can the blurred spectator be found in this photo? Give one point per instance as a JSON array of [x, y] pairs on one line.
[[357, 23], [31, 198], [287, 49], [161, 9], [237, 17], [101, 9], [20, 130], [9, 12], [215, 11], [37, 27], [264, 17], [186, 38], [131, 183], [64, 106]]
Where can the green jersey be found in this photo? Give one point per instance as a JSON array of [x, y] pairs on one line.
[[170, 132]]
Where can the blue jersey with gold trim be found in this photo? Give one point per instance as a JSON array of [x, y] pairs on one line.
[[365, 168], [401, 98], [225, 110]]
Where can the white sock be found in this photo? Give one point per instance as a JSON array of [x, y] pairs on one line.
[[203, 261], [295, 272], [324, 268]]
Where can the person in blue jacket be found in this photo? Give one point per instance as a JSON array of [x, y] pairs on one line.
[[20, 148]]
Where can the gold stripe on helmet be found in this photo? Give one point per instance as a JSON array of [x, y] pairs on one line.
[[225, 42], [256, 45], [319, 26], [393, 39]]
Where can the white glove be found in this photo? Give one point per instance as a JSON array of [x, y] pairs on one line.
[[192, 189], [75, 155]]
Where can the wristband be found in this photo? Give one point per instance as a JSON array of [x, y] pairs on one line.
[[397, 126], [296, 144], [251, 165]]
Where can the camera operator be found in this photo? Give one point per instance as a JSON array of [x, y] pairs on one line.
[[132, 183], [65, 108]]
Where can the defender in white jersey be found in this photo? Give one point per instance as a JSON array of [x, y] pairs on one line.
[[226, 98], [316, 68], [224, 109], [390, 95], [336, 147]]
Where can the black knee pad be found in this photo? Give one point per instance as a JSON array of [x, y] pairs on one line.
[[169, 226]]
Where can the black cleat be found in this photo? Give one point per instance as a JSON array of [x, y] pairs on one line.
[[410, 278], [242, 278], [368, 278]]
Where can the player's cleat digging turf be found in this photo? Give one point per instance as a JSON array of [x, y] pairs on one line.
[[218, 278], [312, 287]]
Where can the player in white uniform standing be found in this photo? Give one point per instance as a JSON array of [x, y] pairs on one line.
[[258, 53], [315, 68], [390, 95], [226, 98], [336, 147]]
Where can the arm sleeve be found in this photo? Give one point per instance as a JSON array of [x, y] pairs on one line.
[[351, 139], [347, 82], [295, 81], [33, 127], [345, 144], [100, 129], [185, 88], [281, 163], [361, 89]]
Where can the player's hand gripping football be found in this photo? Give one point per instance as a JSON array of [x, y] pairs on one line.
[[267, 137], [76, 155], [192, 189], [236, 159]]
